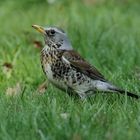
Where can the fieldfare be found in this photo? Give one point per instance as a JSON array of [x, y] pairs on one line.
[[67, 70]]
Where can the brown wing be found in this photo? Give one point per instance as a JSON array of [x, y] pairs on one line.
[[82, 65]]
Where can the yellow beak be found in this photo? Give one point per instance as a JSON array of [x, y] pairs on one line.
[[39, 28]]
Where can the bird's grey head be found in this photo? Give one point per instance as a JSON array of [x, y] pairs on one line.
[[55, 37]]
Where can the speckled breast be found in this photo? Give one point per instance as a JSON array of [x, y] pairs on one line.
[[60, 73]]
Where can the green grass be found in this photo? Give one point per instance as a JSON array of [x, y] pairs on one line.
[[107, 34]]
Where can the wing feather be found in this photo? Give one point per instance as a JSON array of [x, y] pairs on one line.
[[82, 65]]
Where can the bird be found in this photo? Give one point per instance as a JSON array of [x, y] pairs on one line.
[[68, 70]]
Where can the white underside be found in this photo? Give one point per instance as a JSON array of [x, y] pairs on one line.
[[49, 74], [80, 89]]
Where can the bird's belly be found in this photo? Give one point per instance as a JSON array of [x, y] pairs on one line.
[[82, 86], [58, 82], [70, 78]]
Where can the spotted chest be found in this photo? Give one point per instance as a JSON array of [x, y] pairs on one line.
[[61, 74]]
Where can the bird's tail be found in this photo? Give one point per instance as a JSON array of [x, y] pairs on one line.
[[108, 87], [125, 92]]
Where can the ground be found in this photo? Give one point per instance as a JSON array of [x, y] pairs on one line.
[[106, 33]]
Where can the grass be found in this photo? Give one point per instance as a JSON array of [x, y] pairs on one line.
[[106, 33]]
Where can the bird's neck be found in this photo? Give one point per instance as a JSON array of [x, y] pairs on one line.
[[62, 45], [49, 48]]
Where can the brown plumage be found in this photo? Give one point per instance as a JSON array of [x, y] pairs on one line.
[[67, 70], [82, 65]]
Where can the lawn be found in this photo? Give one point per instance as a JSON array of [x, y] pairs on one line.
[[106, 33]]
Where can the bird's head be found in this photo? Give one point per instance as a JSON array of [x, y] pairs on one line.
[[54, 37]]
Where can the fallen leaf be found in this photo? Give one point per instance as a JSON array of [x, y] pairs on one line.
[[8, 65], [42, 87], [7, 69], [12, 91], [37, 44]]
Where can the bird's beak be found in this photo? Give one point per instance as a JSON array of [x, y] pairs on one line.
[[39, 28]]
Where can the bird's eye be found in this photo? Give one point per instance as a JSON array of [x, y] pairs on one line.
[[52, 32]]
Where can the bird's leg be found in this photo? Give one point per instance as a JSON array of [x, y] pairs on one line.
[[91, 92], [69, 91], [82, 96]]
